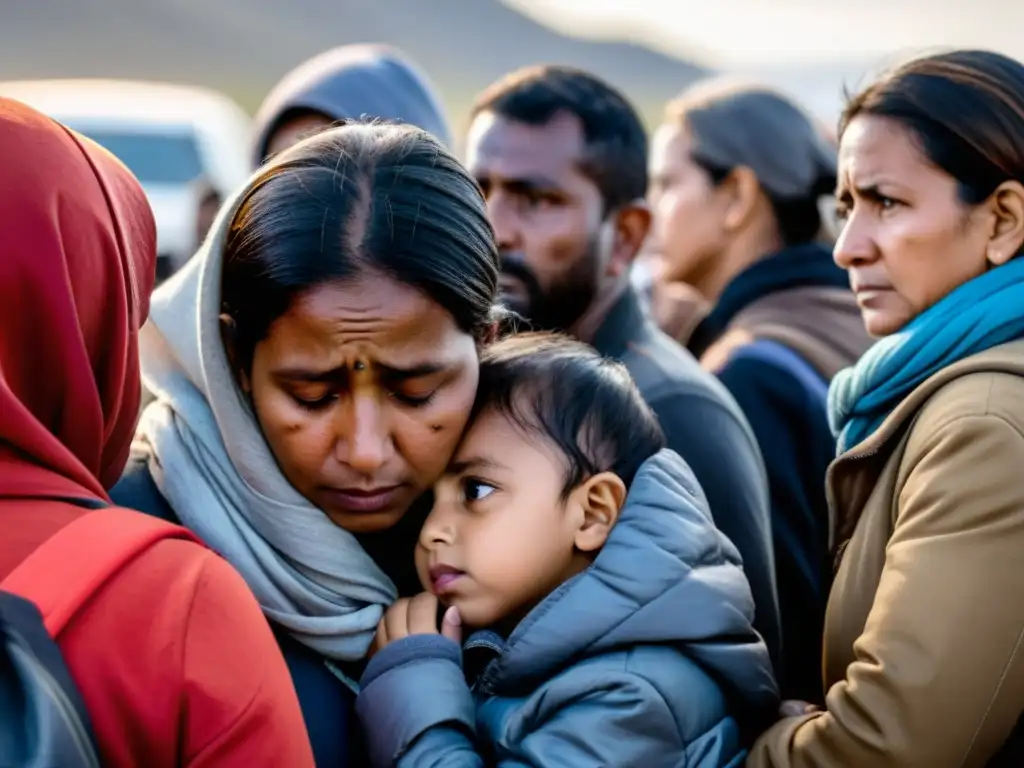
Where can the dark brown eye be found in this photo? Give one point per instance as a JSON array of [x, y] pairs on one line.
[[476, 490]]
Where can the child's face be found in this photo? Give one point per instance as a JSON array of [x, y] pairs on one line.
[[500, 538]]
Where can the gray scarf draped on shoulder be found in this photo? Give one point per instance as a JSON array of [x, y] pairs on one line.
[[210, 461]]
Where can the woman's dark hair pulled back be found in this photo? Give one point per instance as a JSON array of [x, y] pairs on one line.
[[359, 199], [733, 123], [966, 110]]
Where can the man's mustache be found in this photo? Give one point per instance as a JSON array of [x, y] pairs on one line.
[[514, 265]]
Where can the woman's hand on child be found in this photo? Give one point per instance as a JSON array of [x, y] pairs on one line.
[[416, 616]]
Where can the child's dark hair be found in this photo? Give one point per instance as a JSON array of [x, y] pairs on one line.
[[562, 390]]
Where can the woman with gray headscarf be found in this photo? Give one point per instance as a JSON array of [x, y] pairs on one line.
[[314, 366], [345, 83], [738, 173]]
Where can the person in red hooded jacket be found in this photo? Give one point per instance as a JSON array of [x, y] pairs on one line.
[[173, 657]]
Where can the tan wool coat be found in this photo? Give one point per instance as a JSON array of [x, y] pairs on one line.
[[923, 658]]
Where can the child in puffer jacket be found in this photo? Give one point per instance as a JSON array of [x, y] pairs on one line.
[[608, 621]]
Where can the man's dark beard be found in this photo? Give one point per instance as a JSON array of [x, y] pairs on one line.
[[563, 303]]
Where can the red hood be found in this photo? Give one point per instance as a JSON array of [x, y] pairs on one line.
[[77, 260]]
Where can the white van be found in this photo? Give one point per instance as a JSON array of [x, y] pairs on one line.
[[170, 136]]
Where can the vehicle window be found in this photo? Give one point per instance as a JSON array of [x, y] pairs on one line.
[[154, 158]]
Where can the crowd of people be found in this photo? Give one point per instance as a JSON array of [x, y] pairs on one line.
[[577, 450]]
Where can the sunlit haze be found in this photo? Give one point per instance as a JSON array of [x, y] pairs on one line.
[[811, 49], [744, 33]]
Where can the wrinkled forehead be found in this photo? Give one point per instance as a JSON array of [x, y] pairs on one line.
[[874, 148], [372, 318]]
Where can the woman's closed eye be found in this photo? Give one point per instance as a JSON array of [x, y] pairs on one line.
[[414, 392], [314, 401], [413, 400]]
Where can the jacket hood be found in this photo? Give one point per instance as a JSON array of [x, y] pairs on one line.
[[797, 297], [353, 81], [666, 575], [824, 325], [77, 261]]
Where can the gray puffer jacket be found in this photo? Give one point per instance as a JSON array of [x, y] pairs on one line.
[[646, 659]]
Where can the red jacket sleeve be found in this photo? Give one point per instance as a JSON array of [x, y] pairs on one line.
[[178, 667], [241, 707]]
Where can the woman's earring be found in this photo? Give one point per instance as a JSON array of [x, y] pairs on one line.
[[996, 259]]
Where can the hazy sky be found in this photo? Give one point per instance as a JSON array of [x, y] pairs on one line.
[[748, 33]]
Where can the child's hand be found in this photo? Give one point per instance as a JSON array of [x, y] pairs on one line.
[[795, 707], [416, 616]]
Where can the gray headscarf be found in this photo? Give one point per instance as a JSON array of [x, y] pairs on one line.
[[209, 459], [741, 124], [353, 81]]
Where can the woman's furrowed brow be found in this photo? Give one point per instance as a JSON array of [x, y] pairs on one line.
[[392, 372]]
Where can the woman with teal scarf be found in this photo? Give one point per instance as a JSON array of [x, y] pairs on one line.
[[924, 635]]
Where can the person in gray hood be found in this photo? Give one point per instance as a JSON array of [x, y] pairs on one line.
[[608, 629], [348, 82]]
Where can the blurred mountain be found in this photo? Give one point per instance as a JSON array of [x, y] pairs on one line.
[[243, 46]]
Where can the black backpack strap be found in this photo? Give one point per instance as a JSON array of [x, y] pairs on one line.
[[35, 655], [84, 502]]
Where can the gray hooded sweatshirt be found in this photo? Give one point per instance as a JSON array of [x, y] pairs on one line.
[[350, 82], [646, 659]]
